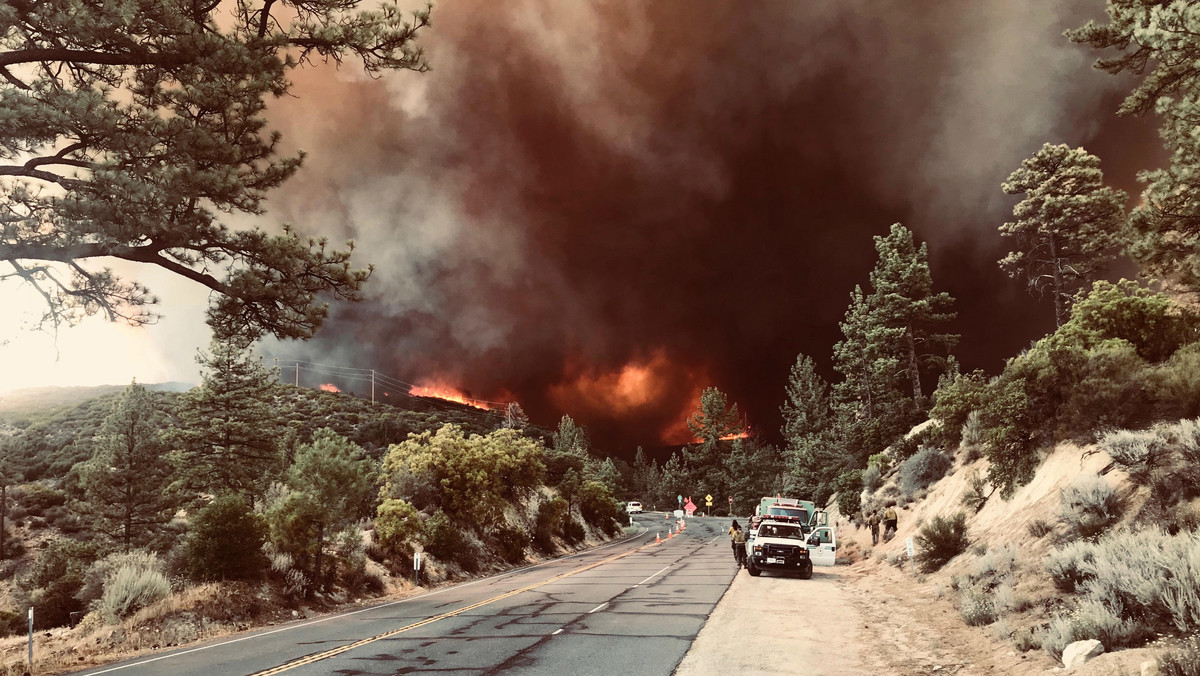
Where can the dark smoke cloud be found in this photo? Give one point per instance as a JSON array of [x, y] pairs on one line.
[[601, 208]]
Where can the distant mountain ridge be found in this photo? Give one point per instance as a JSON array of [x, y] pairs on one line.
[[44, 399]]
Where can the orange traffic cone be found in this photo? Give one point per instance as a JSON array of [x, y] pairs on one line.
[[670, 533], [657, 539]]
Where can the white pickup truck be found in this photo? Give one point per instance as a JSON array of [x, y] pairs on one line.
[[784, 547]]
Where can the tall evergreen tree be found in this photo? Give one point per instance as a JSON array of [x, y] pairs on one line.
[[1068, 226], [869, 384], [514, 417], [806, 401], [714, 419], [126, 493], [1158, 40], [228, 438], [903, 301], [570, 438]]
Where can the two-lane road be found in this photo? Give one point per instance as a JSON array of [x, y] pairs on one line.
[[631, 607]]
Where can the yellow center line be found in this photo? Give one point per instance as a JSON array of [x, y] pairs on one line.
[[333, 652]]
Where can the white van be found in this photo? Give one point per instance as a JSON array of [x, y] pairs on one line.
[[633, 508]]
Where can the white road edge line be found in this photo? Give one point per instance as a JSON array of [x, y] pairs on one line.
[[599, 607], [363, 610], [652, 576], [557, 631]]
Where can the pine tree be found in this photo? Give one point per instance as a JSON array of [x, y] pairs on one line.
[[126, 482], [570, 438], [868, 369], [903, 301], [131, 128], [332, 486], [714, 419], [228, 438], [1068, 226], [514, 417], [806, 401]]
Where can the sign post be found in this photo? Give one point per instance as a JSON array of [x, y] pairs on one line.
[[30, 639], [731, 506], [416, 569], [908, 546]]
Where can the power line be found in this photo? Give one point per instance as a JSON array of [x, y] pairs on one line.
[[377, 379]]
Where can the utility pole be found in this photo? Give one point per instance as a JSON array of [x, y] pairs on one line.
[[372, 386], [297, 374]]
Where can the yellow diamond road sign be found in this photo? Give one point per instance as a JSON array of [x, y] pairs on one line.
[[708, 499]]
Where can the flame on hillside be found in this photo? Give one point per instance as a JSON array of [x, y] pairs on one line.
[[740, 435], [447, 393], [328, 387]]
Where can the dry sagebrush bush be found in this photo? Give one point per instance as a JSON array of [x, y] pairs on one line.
[[1089, 506]]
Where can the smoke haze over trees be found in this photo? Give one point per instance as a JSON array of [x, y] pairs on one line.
[[603, 210]]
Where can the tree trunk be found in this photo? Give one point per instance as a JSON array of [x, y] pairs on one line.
[[317, 577], [913, 371], [1059, 309]]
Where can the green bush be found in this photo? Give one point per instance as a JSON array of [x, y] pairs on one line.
[[976, 495], [1068, 567], [131, 588], [598, 508], [225, 541], [550, 517], [1090, 505], [882, 461], [922, 469], [510, 543], [940, 540], [1175, 384], [397, 525], [1039, 528], [445, 539], [36, 499], [995, 564], [54, 581], [848, 485], [954, 401], [1137, 452], [572, 531], [872, 478]]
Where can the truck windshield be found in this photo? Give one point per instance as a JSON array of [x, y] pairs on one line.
[[789, 511]]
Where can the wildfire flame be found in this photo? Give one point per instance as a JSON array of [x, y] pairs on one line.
[[739, 435], [329, 387], [447, 393]]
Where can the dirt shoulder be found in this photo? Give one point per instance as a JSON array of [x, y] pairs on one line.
[[858, 619]]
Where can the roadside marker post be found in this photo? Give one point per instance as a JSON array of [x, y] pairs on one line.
[[31, 639], [908, 547], [416, 569]]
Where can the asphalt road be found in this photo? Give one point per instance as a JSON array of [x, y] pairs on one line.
[[631, 607]]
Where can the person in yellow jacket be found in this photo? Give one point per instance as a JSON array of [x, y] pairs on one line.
[[737, 539], [889, 521]]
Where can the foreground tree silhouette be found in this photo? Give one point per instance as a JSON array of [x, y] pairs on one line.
[[131, 129]]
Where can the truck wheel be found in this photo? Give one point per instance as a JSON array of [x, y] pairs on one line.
[[754, 570], [806, 572]]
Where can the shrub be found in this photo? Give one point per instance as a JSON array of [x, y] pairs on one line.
[[954, 401], [511, 543], [350, 552], [972, 432], [572, 531], [940, 540], [598, 507], [131, 588], [976, 608], [1039, 528], [922, 469], [872, 478], [54, 581], [1182, 659], [1175, 385], [1134, 451], [550, 517], [445, 539], [1089, 506], [882, 461], [975, 496], [1092, 620], [397, 524], [848, 485], [36, 498], [100, 572], [1149, 578], [996, 563], [225, 542]]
